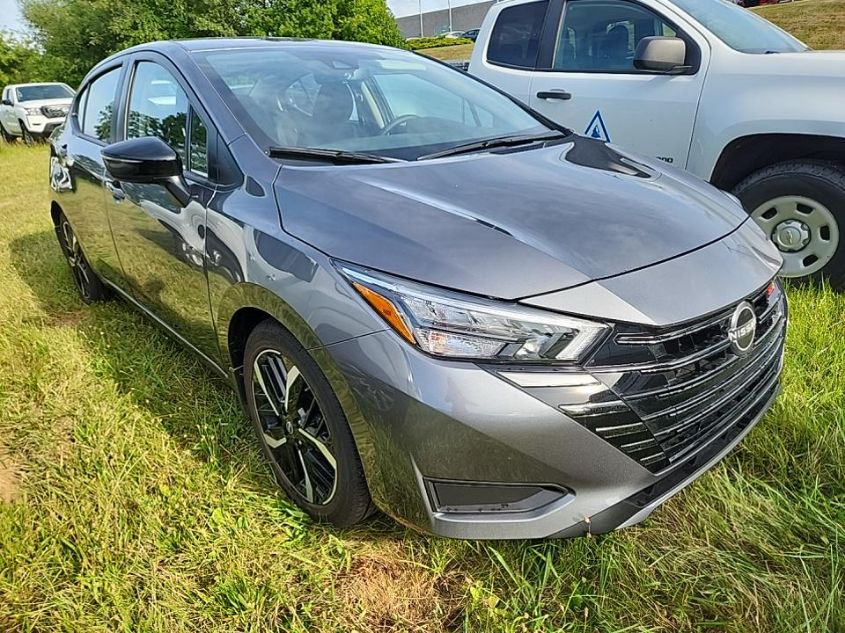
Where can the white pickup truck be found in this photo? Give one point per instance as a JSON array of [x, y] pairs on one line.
[[33, 111], [704, 85]]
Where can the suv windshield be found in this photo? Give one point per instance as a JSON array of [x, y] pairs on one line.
[[380, 102], [47, 91], [739, 28]]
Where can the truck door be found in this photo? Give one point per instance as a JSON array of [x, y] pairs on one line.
[[591, 85]]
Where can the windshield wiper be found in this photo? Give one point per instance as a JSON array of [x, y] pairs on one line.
[[492, 143], [332, 155]]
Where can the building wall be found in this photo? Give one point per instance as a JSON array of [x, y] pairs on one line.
[[464, 18]]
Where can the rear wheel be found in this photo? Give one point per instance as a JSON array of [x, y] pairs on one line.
[[302, 429], [91, 289], [8, 138], [801, 207]]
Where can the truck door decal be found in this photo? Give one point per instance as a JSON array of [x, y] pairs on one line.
[[597, 129]]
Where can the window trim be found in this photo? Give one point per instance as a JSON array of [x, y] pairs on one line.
[[77, 126], [554, 24]]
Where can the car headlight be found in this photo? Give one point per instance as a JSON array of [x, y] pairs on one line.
[[453, 325], [33, 111]]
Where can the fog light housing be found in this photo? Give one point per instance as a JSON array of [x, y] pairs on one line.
[[462, 497]]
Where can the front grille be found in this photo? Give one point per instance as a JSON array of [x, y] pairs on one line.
[[54, 112], [678, 388]]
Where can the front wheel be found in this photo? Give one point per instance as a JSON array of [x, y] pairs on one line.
[[26, 135], [801, 207], [302, 429]]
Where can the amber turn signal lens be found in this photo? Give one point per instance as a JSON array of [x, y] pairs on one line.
[[387, 311]]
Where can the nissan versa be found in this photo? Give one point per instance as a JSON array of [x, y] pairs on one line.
[[431, 299]]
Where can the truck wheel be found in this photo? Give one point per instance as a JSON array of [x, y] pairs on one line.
[[801, 206], [26, 135]]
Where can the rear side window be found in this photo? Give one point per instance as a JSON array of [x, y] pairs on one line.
[[515, 40], [99, 105]]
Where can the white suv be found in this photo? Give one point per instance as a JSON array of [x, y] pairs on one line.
[[703, 85], [33, 111]]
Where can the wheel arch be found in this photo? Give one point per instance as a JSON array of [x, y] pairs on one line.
[[745, 155], [244, 306], [55, 211]]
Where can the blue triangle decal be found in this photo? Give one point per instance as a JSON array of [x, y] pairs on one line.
[[597, 129]]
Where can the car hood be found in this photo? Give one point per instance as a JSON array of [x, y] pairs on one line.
[[37, 103], [507, 225]]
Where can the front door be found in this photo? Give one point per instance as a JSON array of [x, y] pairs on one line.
[[594, 89], [162, 244]]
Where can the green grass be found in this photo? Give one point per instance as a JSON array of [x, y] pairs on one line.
[[133, 497], [818, 23]]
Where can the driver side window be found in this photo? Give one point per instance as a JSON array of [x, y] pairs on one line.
[[602, 35]]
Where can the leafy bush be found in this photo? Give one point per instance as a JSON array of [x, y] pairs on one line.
[[435, 42]]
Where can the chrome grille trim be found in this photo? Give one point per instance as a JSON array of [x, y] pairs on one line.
[[695, 388]]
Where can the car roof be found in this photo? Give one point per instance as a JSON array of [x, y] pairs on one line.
[[37, 83]]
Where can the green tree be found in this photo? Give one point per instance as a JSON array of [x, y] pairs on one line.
[[19, 61], [76, 34]]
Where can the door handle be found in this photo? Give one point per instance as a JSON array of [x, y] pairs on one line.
[[560, 95], [116, 192]]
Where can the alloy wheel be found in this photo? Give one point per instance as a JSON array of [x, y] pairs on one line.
[[294, 428], [804, 230], [78, 264]]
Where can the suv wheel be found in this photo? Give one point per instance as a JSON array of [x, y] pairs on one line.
[[26, 135], [91, 289], [302, 429], [801, 207]]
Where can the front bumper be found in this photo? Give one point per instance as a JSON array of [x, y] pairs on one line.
[[42, 127], [429, 422]]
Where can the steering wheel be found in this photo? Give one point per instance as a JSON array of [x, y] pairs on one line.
[[402, 120]]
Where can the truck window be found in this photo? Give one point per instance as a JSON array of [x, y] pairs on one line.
[[515, 40], [742, 30], [602, 35]]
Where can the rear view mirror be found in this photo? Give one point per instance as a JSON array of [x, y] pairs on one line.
[[661, 54], [147, 160]]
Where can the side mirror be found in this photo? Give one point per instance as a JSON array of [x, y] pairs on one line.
[[7, 102], [662, 55], [147, 160]]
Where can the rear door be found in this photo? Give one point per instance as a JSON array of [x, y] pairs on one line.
[[89, 129], [511, 46], [588, 82]]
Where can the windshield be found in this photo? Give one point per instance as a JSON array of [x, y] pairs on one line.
[[739, 28], [47, 91], [382, 102]]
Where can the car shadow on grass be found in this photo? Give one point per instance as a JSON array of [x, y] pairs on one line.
[[158, 375]]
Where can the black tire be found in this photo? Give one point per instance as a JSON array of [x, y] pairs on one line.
[[8, 138], [819, 181], [26, 135], [349, 501], [88, 283]]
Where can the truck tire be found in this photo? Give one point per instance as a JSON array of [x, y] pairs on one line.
[[26, 135], [8, 138], [801, 206]]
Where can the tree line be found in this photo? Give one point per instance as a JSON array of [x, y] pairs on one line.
[[69, 36]]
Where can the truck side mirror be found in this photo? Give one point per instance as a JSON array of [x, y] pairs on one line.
[[662, 55], [6, 102]]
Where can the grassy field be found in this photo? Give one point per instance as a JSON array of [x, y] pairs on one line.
[[133, 497], [818, 23]]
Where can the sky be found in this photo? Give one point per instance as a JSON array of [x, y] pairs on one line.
[[10, 16]]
